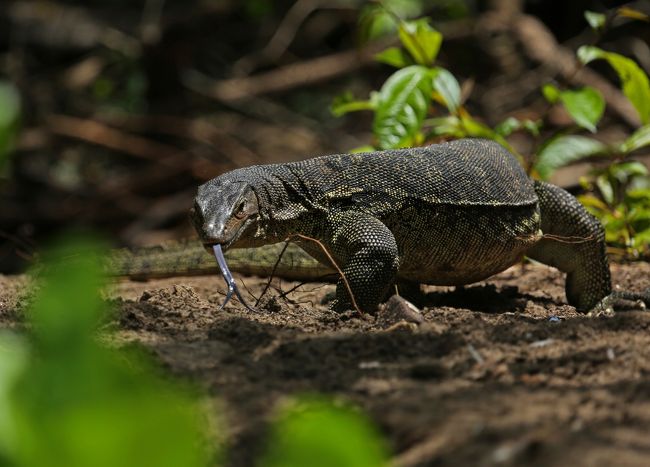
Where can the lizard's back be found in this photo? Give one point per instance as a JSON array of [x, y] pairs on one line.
[[459, 173], [459, 211]]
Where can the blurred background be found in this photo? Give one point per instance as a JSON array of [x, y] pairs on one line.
[[113, 112]]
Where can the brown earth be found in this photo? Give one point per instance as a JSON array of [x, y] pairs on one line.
[[502, 373]]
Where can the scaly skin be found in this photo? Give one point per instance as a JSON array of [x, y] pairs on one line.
[[447, 214]]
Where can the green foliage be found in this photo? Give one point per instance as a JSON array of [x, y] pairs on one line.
[[637, 140], [563, 150], [401, 106], [411, 93], [636, 85], [69, 401], [10, 110], [317, 433], [420, 40], [623, 206], [595, 20], [421, 102], [585, 105]]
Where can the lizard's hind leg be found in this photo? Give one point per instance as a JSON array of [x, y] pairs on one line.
[[369, 256], [574, 242]]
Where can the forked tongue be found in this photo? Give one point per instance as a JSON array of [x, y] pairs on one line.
[[227, 276]]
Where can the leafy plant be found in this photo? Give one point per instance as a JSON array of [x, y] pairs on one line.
[[313, 431], [422, 102], [65, 400]]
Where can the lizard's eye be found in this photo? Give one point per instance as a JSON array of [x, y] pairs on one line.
[[240, 212]]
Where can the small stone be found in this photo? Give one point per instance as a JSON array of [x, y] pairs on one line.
[[398, 309]]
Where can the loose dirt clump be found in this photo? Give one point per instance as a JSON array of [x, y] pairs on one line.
[[498, 373]]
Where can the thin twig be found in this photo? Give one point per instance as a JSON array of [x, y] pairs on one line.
[[336, 266], [275, 267], [296, 287], [562, 239]]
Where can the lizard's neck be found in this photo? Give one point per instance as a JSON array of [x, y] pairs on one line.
[[286, 205]]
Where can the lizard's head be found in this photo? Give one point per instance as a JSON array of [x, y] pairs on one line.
[[225, 212]]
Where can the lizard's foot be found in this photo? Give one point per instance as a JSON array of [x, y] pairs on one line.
[[606, 306]]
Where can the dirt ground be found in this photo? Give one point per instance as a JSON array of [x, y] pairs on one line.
[[498, 373]]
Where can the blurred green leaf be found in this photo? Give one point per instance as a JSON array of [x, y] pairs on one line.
[[362, 149], [640, 138], [446, 86], [445, 126], [635, 83], [595, 20], [586, 106], [563, 150], [508, 126], [317, 433], [551, 93], [79, 404], [13, 361], [606, 189], [9, 119], [346, 103], [595, 204], [402, 105], [394, 56], [624, 171], [374, 22], [512, 124], [421, 40]]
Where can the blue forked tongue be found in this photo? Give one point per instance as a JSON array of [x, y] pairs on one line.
[[230, 281]]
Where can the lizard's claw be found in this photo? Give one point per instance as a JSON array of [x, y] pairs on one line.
[[230, 281], [606, 305]]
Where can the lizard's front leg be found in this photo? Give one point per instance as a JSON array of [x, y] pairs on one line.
[[369, 256]]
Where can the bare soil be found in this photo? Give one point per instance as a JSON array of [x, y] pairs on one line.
[[498, 373]]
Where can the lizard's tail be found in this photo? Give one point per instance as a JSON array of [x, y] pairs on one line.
[[189, 257]]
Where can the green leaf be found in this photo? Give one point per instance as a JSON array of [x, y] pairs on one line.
[[637, 140], [447, 87], [402, 105], [624, 171], [346, 103], [421, 40], [394, 56], [506, 127], [362, 149], [512, 124], [374, 22], [563, 150], [317, 433], [586, 106], [78, 403], [595, 20], [9, 118], [445, 126], [551, 93], [13, 361], [635, 83], [606, 188]]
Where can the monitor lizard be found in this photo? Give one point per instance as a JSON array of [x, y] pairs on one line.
[[447, 214]]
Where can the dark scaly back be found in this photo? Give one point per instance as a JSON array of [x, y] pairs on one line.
[[464, 172]]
